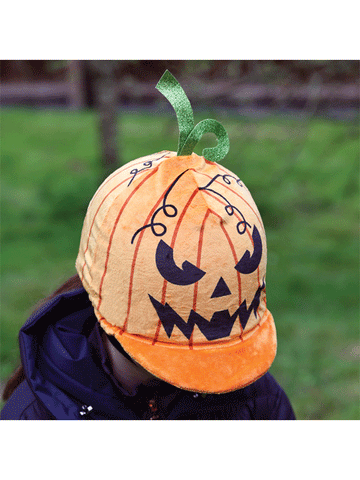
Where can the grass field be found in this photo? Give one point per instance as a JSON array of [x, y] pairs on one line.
[[303, 175]]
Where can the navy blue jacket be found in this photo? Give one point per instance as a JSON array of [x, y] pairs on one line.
[[69, 377]]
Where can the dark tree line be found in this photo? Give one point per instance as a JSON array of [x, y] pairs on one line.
[[148, 70]]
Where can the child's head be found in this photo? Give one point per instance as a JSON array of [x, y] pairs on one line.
[[173, 256]]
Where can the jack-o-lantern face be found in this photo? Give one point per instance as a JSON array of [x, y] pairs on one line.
[[221, 322]]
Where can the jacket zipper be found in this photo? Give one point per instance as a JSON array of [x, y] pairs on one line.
[[153, 409]]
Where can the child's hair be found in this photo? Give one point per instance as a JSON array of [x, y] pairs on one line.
[[18, 375]]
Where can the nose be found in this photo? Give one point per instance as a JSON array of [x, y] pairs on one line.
[[221, 289]]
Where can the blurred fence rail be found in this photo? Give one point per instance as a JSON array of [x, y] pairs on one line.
[[225, 93], [39, 93], [74, 87]]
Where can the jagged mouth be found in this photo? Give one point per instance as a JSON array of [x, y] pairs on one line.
[[219, 326]]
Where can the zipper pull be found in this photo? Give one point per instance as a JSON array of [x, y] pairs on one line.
[[153, 409]]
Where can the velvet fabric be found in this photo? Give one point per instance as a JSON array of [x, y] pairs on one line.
[[186, 239]]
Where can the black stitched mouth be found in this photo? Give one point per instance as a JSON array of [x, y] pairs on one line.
[[219, 326]]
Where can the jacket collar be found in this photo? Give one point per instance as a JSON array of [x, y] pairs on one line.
[[66, 364]]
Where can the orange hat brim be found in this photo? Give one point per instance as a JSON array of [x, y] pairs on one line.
[[217, 367]]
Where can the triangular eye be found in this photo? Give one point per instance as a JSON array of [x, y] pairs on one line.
[[249, 263], [186, 275], [221, 289]]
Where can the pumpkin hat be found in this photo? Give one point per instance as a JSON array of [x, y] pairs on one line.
[[173, 257]]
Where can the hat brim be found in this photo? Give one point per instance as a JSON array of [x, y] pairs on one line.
[[217, 367]]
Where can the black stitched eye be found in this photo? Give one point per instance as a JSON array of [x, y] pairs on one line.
[[186, 275], [249, 263]]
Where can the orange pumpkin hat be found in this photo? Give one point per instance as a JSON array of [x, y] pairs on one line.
[[173, 257]]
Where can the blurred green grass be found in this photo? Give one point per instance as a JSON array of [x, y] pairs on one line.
[[303, 175]]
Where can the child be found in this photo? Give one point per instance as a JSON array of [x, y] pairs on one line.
[[167, 318]]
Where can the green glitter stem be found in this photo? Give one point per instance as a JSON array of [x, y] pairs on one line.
[[189, 135], [173, 91]]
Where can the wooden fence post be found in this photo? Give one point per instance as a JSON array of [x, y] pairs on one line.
[[76, 99]]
